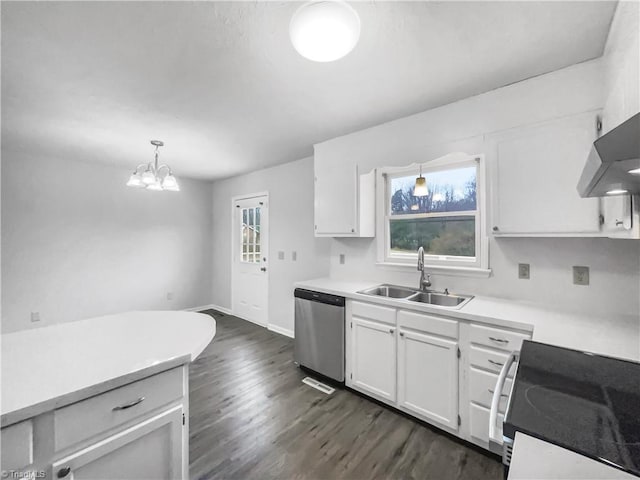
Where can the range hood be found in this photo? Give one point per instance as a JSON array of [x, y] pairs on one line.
[[611, 159]]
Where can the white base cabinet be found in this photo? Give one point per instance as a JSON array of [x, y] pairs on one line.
[[137, 430], [440, 370], [149, 450], [428, 377], [373, 351]]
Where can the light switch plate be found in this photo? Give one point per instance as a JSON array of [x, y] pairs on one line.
[[523, 271], [35, 316], [342, 259], [280, 255], [580, 275], [294, 256]]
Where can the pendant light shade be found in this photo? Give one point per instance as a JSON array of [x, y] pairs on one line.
[[420, 190], [325, 30], [153, 176]]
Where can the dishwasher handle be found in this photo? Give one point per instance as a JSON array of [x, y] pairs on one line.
[[319, 297], [497, 393]]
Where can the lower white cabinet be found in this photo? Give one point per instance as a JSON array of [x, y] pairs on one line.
[[428, 377], [149, 450], [440, 370], [373, 358]]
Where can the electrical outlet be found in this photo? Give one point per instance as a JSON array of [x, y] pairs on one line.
[[35, 316], [523, 271], [294, 256], [342, 259], [169, 295], [280, 255], [581, 275]]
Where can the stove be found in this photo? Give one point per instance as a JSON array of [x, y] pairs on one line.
[[587, 403]]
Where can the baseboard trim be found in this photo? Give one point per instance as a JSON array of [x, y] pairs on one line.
[[282, 331], [210, 306]]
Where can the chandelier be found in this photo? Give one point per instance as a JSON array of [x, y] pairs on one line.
[[154, 177]]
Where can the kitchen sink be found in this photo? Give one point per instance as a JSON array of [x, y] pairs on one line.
[[439, 299], [390, 291], [430, 297]]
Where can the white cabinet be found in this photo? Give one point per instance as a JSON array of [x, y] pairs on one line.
[[373, 358], [136, 430], [344, 199], [151, 449], [535, 170], [428, 377]]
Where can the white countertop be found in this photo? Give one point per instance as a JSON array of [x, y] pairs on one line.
[[616, 335], [534, 459], [44, 364]]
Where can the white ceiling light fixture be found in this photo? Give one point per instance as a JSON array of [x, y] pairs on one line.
[[154, 177], [325, 30]]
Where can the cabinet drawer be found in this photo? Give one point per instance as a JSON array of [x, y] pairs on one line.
[[499, 338], [481, 386], [479, 423], [428, 323], [489, 360], [17, 446], [106, 411], [375, 312]]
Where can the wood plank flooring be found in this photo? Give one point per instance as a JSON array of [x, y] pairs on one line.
[[252, 418]]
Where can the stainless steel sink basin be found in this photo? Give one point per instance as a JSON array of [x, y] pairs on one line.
[[390, 291], [431, 297], [439, 299]]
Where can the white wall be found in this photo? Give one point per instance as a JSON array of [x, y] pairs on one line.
[[77, 243], [290, 188], [462, 126]]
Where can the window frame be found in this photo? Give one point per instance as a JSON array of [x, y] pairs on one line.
[[478, 265]]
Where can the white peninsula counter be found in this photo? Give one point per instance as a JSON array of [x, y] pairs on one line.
[[101, 397]]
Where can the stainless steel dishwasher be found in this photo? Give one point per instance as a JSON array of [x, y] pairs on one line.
[[319, 333]]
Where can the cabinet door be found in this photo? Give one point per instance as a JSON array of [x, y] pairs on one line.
[[373, 354], [150, 450], [335, 195], [428, 377], [535, 171]]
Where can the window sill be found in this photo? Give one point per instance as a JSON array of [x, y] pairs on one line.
[[441, 269]]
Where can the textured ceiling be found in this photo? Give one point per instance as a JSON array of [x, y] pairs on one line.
[[221, 84]]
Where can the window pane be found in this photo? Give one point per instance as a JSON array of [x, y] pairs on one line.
[[244, 257], [449, 191], [251, 216], [439, 236], [257, 219], [244, 216]]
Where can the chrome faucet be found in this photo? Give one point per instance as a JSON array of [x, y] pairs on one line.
[[424, 282]]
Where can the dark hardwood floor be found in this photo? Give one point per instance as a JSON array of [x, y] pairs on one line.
[[252, 418]]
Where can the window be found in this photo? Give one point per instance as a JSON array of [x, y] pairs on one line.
[[446, 222], [250, 235]]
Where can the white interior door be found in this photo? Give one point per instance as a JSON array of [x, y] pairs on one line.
[[250, 249]]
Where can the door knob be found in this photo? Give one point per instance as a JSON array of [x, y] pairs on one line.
[[264, 269]]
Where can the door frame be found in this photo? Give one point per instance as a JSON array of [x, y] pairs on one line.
[[234, 199]]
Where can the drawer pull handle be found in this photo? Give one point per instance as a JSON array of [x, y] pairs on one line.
[[495, 363], [502, 394], [63, 472], [499, 340], [391, 330], [128, 405]]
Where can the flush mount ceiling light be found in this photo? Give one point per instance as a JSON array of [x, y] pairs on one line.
[[324, 31], [154, 177], [420, 190], [617, 191]]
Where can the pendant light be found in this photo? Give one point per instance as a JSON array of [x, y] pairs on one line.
[[153, 176], [325, 30], [420, 190]]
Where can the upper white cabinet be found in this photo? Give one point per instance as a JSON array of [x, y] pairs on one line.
[[344, 199], [534, 172]]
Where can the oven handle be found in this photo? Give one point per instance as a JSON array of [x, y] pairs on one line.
[[497, 392]]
